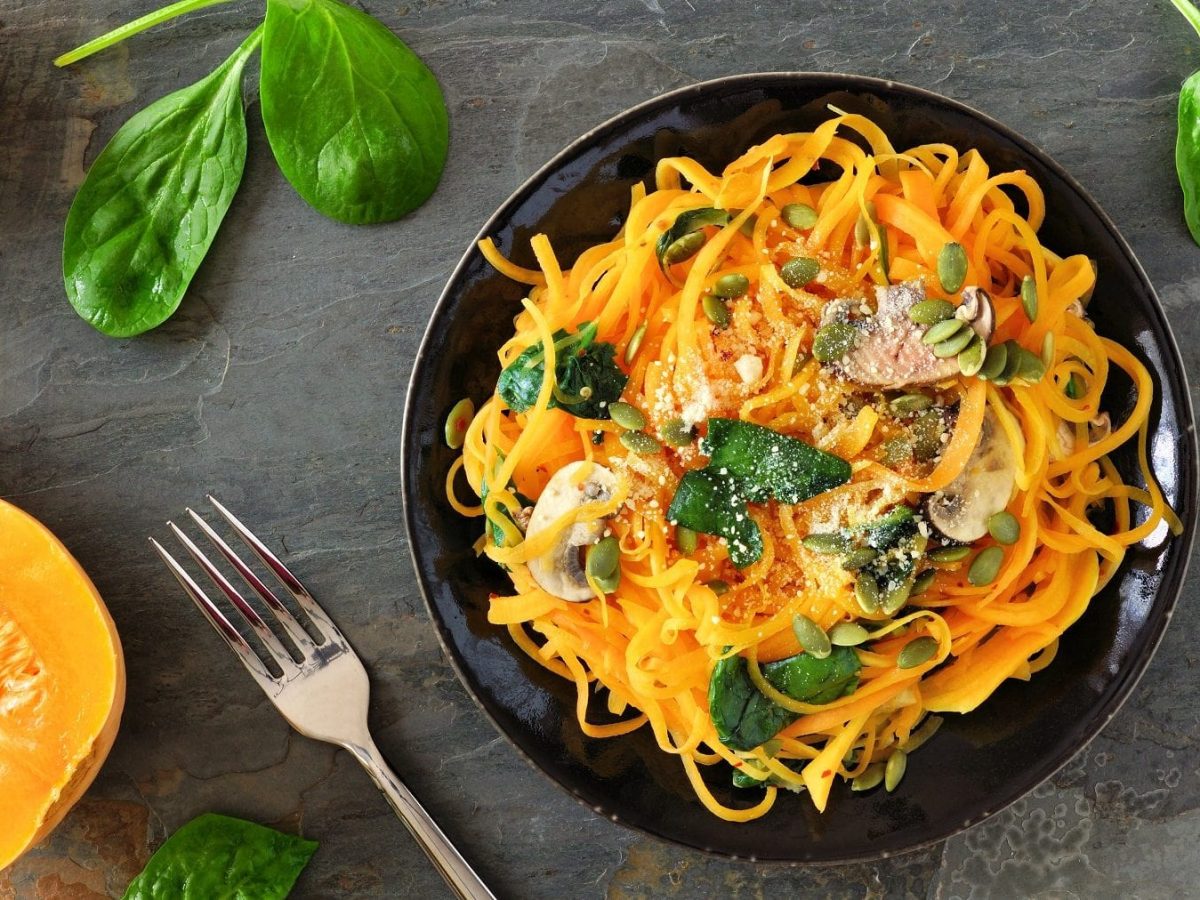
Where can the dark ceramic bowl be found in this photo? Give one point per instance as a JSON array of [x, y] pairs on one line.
[[978, 763]]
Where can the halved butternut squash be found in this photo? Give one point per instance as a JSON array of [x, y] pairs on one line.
[[62, 682]]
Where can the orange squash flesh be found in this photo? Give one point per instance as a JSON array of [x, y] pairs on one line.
[[62, 682]]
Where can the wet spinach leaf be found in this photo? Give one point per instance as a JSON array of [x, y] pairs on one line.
[[784, 467], [712, 503], [587, 377]]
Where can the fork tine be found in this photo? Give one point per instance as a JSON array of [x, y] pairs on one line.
[[303, 598], [289, 622], [217, 619], [249, 613]]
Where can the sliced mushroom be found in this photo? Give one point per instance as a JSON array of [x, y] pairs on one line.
[[1098, 429], [889, 353], [560, 571], [960, 510]]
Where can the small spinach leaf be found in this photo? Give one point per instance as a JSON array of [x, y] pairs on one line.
[[787, 468], [217, 857], [712, 503], [153, 200], [587, 377], [745, 718], [1187, 138], [356, 121]]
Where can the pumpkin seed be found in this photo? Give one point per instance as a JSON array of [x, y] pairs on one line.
[[910, 403], [717, 586], [716, 310], [747, 227], [930, 312], [949, 554], [884, 252], [686, 540], [814, 641], [954, 345], [826, 542], [626, 415], [603, 558], [639, 442], [1048, 349], [993, 362], [970, 360], [862, 226], [896, 451], [1031, 368], [1004, 527], [856, 559], [985, 567], [1075, 387], [871, 777], [917, 651], [1012, 364], [610, 583], [676, 433], [952, 267], [635, 343], [1029, 297], [848, 634], [918, 738], [894, 599], [799, 271], [894, 770], [922, 582], [834, 341], [799, 215], [732, 285], [866, 592], [458, 421], [684, 248], [927, 435], [943, 330]]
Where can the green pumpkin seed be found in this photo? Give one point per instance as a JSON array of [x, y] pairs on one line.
[[927, 435], [954, 345], [610, 583], [894, 770], [871, 777], [686, 540], [635, 343], [458, 421], [747, 227], [943, 330], [799, 271], [814, 641], [1031, 368], [1029, 297], [1004, 527], [684, 248], [799, 215], [862, 227], [910, 403], [826, 542], [716, 310], [895, 599], [834, 341], [848, 634], [896, 451], [676, 433], [985, 567], [866, 592], [857, 559], [626, 415], [930, 312], [917, 651], [639, 442], [881, 234], [1075, 387], [1012, 364], [993, 362], [718, 587], [949, 554], [918, 738], [970, 360], [952, 267], [922, 582], [603, 557], [730, 286], [1048, 349]]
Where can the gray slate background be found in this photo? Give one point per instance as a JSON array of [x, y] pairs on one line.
[[279, 387]]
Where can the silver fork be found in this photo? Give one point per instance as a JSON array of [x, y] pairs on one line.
[[324, 694]]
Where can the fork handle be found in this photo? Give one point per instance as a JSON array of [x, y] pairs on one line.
[[449, 862]]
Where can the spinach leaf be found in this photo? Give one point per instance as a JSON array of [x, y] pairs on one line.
[[672, 248], [746, 718], [356, 121], [216, 857], [153, 200], [894, 536], [788, 469], [1187, 138], [712, 503], [587, 377]]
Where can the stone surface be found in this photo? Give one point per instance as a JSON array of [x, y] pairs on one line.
[[279, 388]]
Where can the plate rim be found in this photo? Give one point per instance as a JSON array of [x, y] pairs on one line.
[[1127, 679]]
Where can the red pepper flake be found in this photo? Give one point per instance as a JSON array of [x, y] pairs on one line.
[[827, 774]]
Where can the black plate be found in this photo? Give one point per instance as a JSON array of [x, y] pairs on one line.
[[977, 764]]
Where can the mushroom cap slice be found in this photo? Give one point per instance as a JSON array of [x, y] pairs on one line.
[[889, 352], [559, 571], [961, 510]]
